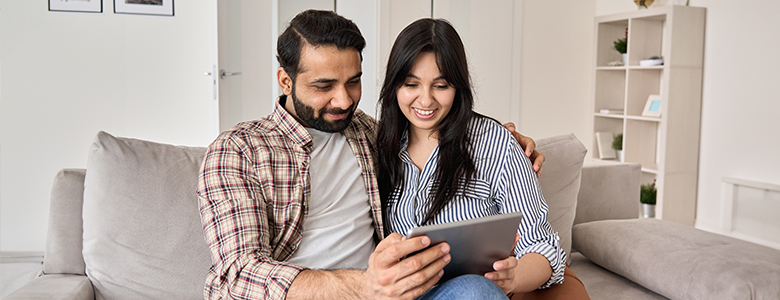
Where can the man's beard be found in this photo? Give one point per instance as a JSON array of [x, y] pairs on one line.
[[306, 115]]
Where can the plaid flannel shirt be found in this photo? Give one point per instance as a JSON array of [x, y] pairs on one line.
[[254, 190]]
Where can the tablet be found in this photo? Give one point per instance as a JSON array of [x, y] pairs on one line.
[[475, 244]]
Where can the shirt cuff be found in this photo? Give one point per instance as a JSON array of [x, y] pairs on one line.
[[279, 279], [552, 251]]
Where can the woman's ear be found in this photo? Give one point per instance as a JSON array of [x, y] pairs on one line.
[[284, 80]]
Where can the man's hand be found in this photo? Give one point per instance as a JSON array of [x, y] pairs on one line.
[[391, 276], [528, 144]]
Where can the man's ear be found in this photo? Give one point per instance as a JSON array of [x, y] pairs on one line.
[[284, 80]]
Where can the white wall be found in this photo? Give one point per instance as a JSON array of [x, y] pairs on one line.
[[740, 104], [740, 121], [556, 68], [65, 76]]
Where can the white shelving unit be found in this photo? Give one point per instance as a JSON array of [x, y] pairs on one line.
[[667, 147]]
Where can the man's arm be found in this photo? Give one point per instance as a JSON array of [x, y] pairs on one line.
[[236, 227], [528, 144], [389, 274]]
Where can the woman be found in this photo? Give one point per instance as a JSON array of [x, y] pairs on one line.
[[438, 161]]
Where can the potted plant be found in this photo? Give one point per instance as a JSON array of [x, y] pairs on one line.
[[647, 193], [621, 45], [617, 144]]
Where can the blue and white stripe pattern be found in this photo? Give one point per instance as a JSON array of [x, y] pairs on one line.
[[504, 182]]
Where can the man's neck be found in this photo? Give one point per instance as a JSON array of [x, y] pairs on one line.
[[289, 106]]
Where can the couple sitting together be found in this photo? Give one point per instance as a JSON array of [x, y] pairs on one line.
[[312, 201]]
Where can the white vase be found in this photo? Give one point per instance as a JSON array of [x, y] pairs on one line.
[[625, 59], [648, 210], [620, 156]]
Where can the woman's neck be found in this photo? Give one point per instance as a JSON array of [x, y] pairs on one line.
[[421, 145]]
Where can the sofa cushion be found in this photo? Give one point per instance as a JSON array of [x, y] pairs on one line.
[[142, 230], [603, 284], [560, 181], [681, 262]]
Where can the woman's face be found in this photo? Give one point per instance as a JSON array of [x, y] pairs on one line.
[[425, 97]]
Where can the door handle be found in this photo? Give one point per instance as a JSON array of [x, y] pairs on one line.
[[223, 74]]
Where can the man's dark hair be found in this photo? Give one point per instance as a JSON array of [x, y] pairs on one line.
[[316, 27]]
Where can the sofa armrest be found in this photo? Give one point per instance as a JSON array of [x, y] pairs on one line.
[[55, 286], [608, 190]]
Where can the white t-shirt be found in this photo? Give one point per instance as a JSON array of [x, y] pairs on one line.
[[338, 229]]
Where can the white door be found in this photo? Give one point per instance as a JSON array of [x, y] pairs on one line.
[[244, 73]]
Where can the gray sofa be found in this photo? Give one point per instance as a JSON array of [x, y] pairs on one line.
[[128, 227]]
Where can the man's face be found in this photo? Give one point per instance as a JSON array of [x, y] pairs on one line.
[[327, 89]]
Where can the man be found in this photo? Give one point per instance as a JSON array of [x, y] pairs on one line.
[[289, 203]]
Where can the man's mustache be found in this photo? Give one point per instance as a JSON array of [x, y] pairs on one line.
[[337, 111]]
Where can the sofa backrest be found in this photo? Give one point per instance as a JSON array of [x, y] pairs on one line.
[[132, 188], [142, 236], [560, 182]]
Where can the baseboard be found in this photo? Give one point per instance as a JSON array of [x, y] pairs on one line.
[[7, 257]]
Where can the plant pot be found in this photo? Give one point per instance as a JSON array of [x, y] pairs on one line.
[[648, 210], [620, 156], [625, 59]]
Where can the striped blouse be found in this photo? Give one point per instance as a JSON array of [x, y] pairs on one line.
[[504, 182]]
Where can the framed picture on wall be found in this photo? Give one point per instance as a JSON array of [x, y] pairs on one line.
[[652, 106], [92, 6], [144, 7]]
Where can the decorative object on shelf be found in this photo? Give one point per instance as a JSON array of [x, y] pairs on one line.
[[604, 143], [647, 193], [652, 61], [652, 106], [615, 63], [617, 144], [621, 45], [92, 6], [643, 3], [144, 7], [681, 2]]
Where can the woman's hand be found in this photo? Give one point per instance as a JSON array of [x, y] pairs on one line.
[[504, 275]]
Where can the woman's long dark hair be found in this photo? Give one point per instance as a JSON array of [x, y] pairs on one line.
[[455, 164]]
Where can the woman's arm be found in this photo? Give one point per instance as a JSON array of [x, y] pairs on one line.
[[539, 256]]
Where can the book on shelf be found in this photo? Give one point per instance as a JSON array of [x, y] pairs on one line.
[[611, 111], [604, 143]]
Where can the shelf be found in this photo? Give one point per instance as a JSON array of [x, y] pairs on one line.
[[614, 116], [652, 169], [648, 119], [634, 118], [608, 68], [623, 68], [661, 67]]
